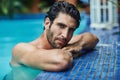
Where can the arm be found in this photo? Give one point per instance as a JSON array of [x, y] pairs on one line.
[[85, 41], [50, 60]]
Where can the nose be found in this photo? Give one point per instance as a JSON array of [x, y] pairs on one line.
[[65, 33]]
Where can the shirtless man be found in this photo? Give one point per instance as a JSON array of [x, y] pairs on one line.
[[54, 49]]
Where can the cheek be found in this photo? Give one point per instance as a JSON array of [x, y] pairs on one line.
[[56, 31], [54, 34]]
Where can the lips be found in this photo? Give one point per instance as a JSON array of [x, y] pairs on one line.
[[61, 41]]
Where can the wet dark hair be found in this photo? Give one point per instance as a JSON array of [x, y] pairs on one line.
[[64, 7]]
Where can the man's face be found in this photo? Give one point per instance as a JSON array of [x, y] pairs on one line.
[[61, 30]]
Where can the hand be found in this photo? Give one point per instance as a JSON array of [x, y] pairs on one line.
[[85, 41]]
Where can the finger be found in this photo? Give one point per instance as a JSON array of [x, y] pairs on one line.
[[69, 53], [65, 48]]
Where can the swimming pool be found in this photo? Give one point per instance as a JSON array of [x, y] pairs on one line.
[[20, 30], [11, 33]]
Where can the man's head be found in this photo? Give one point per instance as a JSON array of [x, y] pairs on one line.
[[61, 21], [64, 7]]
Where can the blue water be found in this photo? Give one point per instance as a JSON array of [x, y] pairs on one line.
[[15, 31]]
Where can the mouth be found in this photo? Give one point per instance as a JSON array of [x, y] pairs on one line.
[[61, 41]]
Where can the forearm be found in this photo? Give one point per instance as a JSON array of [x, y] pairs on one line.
[[50, 60], [88, 41], [83, 41]]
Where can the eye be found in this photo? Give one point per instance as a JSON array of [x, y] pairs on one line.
[[62, 26], [71, 29]]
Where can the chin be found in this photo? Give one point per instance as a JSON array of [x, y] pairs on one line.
[[59, 47]]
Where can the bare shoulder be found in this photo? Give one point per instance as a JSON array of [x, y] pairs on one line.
[[20, 50], [20, 47]]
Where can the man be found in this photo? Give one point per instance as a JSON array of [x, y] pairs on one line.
[[55, 48]]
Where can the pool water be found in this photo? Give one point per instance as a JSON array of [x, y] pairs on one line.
[[15, 31]]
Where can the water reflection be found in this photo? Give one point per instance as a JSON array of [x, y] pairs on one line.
[[22, 73]]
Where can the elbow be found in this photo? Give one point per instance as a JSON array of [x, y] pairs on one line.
[[63, 65], [56, 67], [61, 62], [90, 41], [96, 39], [92, 37]]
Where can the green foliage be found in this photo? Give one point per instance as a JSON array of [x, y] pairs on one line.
[[11, 7]]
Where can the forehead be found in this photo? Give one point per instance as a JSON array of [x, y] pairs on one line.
[[66, 19]]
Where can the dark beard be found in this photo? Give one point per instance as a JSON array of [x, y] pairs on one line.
[[50, 36]]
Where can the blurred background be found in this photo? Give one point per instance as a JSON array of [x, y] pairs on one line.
[[13, 7], [25, 9]]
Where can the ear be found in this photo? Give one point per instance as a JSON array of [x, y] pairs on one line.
[[47, 23]]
